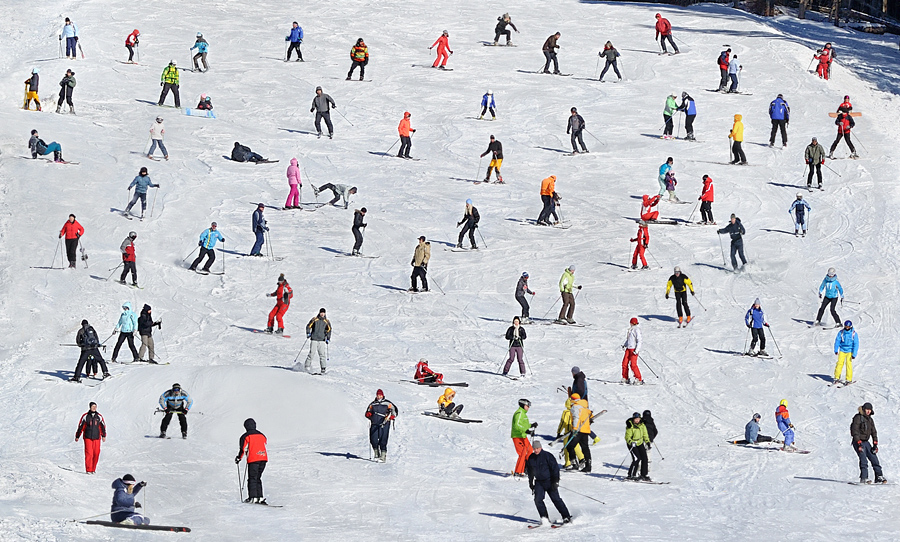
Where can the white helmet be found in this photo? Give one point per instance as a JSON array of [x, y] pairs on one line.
[[831, 272], [490, 92], [199, 34], [677, 269], [799, 195]]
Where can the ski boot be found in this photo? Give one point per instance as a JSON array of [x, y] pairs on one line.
[[645, 479], [634, 266], [587, 466], [58, 107], [495, 43], [348, 78], [570, 321], [459, 245], [880, 480], [545, 521], [688, 320], [680, 321], [762, 353], [72, 109], [474, 247], [560, 321], [480, 117], [269, 329], [75, 379], [162, 434], [645, 267], [279, 331], [184, 434]]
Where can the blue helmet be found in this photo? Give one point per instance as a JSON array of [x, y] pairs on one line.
[[524, 275], [848, 323]]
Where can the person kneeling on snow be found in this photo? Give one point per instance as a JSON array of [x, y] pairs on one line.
[[39, 147], [446, 406], [123, 503], [242, 153], [205, 103], [424, 374]]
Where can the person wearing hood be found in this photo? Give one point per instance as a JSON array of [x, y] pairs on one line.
[[516, 336], [846, 346], [141, 183], [295, 183], [205, 103], [548, 193], [405, 132], [202, 48], [495, 149], [145, 327], [799, 208], [566, 285], [470, 219], [359, 57], [339, 191], [521, 290], [637, 439], [175, 401], [359, 225], [581, 431], [447, 406], [650, 424], [207, 247], [380, 413], [125, 489], [32, 85], [862, 428], [689, 108], [295, 38], [632, 348], [736, 231], [129, 261], [755, 319], [89, 342], [318, 331], [252, 444], [282, 294], [737, 136], [664, 32], [321, 105], [780, 113], [734, 68], [668, 112], [751, 432], [661, 178], [611, 55], [443, 48], [500, 29], [72, 231], [543, 479], [242, 153], [126, 326], [157, 132], [832, 289], [707, 196], [131, 41], [92, 427]]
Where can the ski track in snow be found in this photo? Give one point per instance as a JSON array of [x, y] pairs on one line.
[[443, 477]]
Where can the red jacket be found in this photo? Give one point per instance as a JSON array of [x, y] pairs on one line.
[[283, 294], [132, 38], [443, 44], [724, 58], [129, 254], [422, 371], [845, 107], [643, 236], [663, 27], [648, 204], [707, 193], [253, 444], [71, 230], [844, 123], [92, 426]]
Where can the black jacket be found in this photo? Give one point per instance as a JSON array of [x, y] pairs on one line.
[[576, 123], [579, 384], [863, 427], [87, 338], [735, 230], [358, 218], [146, 323], [650, 424], [92, 426], [496, 148], [240, 153], [471, 219], [542, 466], [510, 336], [501, 25]]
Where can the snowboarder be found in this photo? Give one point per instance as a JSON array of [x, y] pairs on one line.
[[495, 148], [799, 207], [87, 340], [581, 430], [521, 428], [295, 38], [202, 48], [129, 262], [549, 49], [339, 191], [689, 108], [862, 428], [447, 406], [663, 169], [242, 153], [664, 32], [668, 112], [66, 86], [405, 131], [548, 192], [32, 84], [318, 331], [125, 489], [846, 346], [785, 426], [707, 196], [359, 57], [832, 288], [724, 61], [131, 41], [39, 147], [734, 68], [169, 80], [125, 327], [425, 374], [751, 432], [638, 441], [780, 113], [516, 336], [295, 183], [259, 228], [681, 283], [815, 157], [566, 284], [736, 231], [359, 215], [643, 242], [207, 246], [543, 479], [73, 231], [141, 183], [145, 330], [69, 32], [844, 123], [500, 29], [419, 263], [253, 445], [487, 103], [611, 54], [737, 136], [575, 127], [671, 183], [521, 290], [92, 427], [647, 205], [755, 319], [175, 401], [443, 45], [470, 219], [205, 103], [282, 294], [632, 348], [381, 413], [579, 383], [157, 132], [320, 105]]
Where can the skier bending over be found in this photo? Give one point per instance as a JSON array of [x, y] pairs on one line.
[[500, 29], [647, 205], [780, 113], [581, 432], [799, 208], [447, 406], [833, 289], [755, 319], [751, 432], [123, 504], [548, 192], [32, 84], [380, 413], [131, 41], [87, 339], [339, 191]]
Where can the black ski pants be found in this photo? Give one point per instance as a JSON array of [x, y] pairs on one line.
[[825, 302], [522, 301], [203, 253], [737, 249], [776, 125], [129, 267], [498, 33], [182, 420], [670, 126], [71, 248], [379, 433], [706, 211], [545, 212], [485, 110], [90, 357], [833, 145], [662, 41], [689, 124], [419, 272], [357, 235], [758, 334], [326, 115], [470, 229], [405, 145], [542, 487], [615, 67], [681, 304], [723, 81], [582, 439], [638, 461], [362, 68], [576, 135], [130, 52], [295, 46], [122, 338], [818, 170], [165, 92], [759, 438], [65, 95], [737, 153], [254, 478]]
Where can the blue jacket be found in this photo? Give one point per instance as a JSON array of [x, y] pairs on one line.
[[484, 100], [779, 110], [846, 341], [209, 237], [69, 31], [128, 320], [542, 467], [663, 169], [832, 287], [784, 423], [258, 223], [200, 45], [751, 431], [175, 400], [688, 106], [123, 502], [296, 34], [141, 184], [800, 207], [755, 317]]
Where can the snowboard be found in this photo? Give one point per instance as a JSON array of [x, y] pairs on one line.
[[460, 420], [438, 384], [203, 113]]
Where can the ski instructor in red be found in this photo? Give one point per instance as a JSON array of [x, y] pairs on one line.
[[664, 32], [93, 428], [443, 46], [283, 295]]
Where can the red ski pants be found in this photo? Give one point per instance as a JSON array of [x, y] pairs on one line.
[[91, 454], [277, 313], [441, 54], [523, 448], [631, 359], [638, 252]]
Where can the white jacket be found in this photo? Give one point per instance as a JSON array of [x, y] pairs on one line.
[[633, 339], [734, 66], [157, 130]]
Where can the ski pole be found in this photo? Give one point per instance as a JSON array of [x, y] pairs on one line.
[[723, 250], [137, 49], [113, 271], [163, 339], [345, 118], [595, 137], [774, 341], [154, 202], [190, 254], [811, 63], [301, 350], [389, 148], [478, 172], [833, 171], [287, 45], [439, 286], [640, 357], [240, 481], [746, 339], [859, 141], [630, 453], [694, 210], [525, 357], [60, 56], [654, 258], [483, 242], [678, 133], [660, 453], [223, 259], [269, 244], [598, 66], [551, 307], [53, 261], [128, 200], [108, 338], [699, 303]]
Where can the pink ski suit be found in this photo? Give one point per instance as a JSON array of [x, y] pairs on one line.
[[293, 176]]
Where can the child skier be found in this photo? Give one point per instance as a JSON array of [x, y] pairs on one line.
[[447, 406], [799, 208], [643, 242], [205, 103], [783, 419], [755, 319], [663, 169], [671, 183], [283, 295], [632, 348], [487, 103]]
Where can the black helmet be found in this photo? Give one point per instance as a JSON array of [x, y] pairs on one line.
[[524, 403]]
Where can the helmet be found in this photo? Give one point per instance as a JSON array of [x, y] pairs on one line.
[[445, 33], [525, 275], [783, 403], [684, 95], [575, 397], [490, 92], [468, 202], [831, 272], [677, 269], [35, 70], [172, 63], [423, 361], [574, 110], [132, 234], [757, 416], [848, 323], [199, 34], [799, 195], [524, 403], [176, 386], [636, 415]]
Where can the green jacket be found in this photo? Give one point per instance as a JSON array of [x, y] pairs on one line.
[[636, 434], [170, 75], [566, 281], [520, 424], [671, 106]]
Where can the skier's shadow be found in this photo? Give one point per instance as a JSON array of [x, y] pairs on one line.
[[62, 375], [562, 151], [813, 478], [345, 455], [390, 287], [333, 250], [604, 476], [615, 265], [782, 185], [298, 131], [719, 267], [824, 378], [661, 317], [489, 471], [807, 322], [482, 371], [777, 231], [465, 180], [510, 517], [732, 352]]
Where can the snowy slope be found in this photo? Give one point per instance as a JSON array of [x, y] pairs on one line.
[[441, 477]]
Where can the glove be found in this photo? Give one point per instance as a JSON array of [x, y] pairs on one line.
[[412, 131], [808, 161], [748, 326], [823, 161], [425, 266], [533, 425], [791, 425], [530, 432], [199, 243], [820, 295], [237, 460], [667, 297], [327, 341], [142, 483], [137, 504], [458, 224], [875, 448], [161, 83], [692, 292], [766, 324], [311, 110], [858, 445], [532, 488], [578, 287], [266, 227], [700, 198], [647, 446]]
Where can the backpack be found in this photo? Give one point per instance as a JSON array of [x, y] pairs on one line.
[[286, 294], [90, 338]]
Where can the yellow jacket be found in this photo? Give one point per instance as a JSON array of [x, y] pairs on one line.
[[446, 398], [566, 281], [170, 75], [581, 416], [565, 421], [737, 131]]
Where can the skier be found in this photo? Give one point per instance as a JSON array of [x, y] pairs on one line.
[[470, 219], [487, 103], [815, 157], [751, 432], [681, 283], [296, 183], [643, 242], [73, 232], [295, 38], [259, 228], [358, 216], [175, 401], [205, 103], [521, 290], [131, 41], [664, 32], [575, 127], [169, 81], [785, 426], [405, 131], [141, 183], [844, 123], [32, 84], [780, 113], [549, 49], [253, 445], [755, 319], [359, 57], [548, 192], [668, 112], [495, 148], [500, 29], [632, 348], [424, 374], [846, 346], [381, 413], [566, 283], [663, 169], [443, 45], [69, 32], [242, 153], [689, 108], [800, 207], [318, 331], [671, 183], [339, 191], [207, 247], [419, 263], [579, 383], [516, 336], [824, 62], [737, 136], [830, 53], [650, 424], [611, 54], [736, 230], [125, 327], [87, 340], [320, 105], [66, 86], [638, 440], [129, 261], [202, 48], [157, 132], [846, 106], [125, 489], [647, 204], [282, 294], [733, 70], [861, 429], [543, 479], [707, 196], [521, 428], [145, 330], [832, 288], [39, 147], [724, 61], [581, 430], [446, 405], [93, 427]]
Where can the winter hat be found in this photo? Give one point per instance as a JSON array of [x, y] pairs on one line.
[[846, 97], [203, 96], [176, 386], [537, 445], [84, 322], [647, 414], [670, 160], [468, 202], [684, 94], [199, 34], [35, 70], [634, 321], [575, 370], [783, 403], [733, 215], [70, 72], [213, 225], [260, 204], [574, 110], [490, 92], [143, 171], [831, 272], [815, 139], [780, 96], [95, 404], [492, 137], [866, 406], [68, 21], [318, 88], [363, 210], [128, 479], [705, 177], [756, 416], [159, 119], [445, 33], [756, 301], [423, 360], [281, 278], [421, 238], [33, 132], [525, 275], [379, 392], [636, 415], [575, 397], [799, 195], [147, 307]]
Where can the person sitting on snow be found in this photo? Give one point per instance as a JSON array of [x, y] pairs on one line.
[[205, 103], [242, 153], [424, 374], [446, 406], [123, 503]]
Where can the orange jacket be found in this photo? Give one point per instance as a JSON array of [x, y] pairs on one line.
[[548, 186], [71, 230], [443, 44], [404, 127]]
